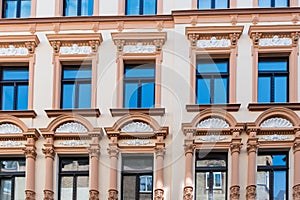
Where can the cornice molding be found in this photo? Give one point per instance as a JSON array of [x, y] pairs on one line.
[[27, 43]]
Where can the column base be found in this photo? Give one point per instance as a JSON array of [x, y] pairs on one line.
[[251, 192], [158, 194], [235, 192], [188, 193], [296, 192], [112, 194], [94, 195], [48, 195], [29, 195]]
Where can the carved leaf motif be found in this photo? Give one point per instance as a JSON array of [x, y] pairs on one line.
[[213, 123], [275, 41], [137, 127], [13, 51], [9, 128], [71, 127], [213, 42], [276, 122], [139, 48], [75, 49]]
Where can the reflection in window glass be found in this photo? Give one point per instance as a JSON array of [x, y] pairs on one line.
[[208, 4], [273, 3], [16, 8], [140, 7], [78, 7]]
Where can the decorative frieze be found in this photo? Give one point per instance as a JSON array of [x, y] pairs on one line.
[[18, 45], [137, 142], [276, 122], [213, 123], [275, 41], [113, 151], [251, 192], [9, 128], [73, 143], [75, 49], [11, 50], [188, 193], [137, 127], [211, 138], [112, 194], [235, 192], [158, 194], [94, 195], [139, 48], [71, 127], [213, 43], [275, 137], [10, 143]]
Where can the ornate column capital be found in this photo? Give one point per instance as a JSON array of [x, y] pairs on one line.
[[251, 192], [49, 152], [188, 193], [113, 151], [94, 152], [235, 192], [94, 195], [252, 145], [29, 195], [235, 146], [48, 195], [112, 194], [189, 148], [160, 151], [296, 192], [30, 152], [158, 194], [296, 144]]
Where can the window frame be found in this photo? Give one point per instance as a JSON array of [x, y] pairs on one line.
[[18, 11], [79, 9], [211, 76], [291, 3], [231, 4], [138, 80], [271, 170], [12, 175], [272, 75], [74, 174], [141, 8], [76, 82], [59, 8], [213, 5]]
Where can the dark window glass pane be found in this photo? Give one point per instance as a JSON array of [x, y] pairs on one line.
[[204, 4], [264, 89], [264, 3], [75, 165], [145, 196], [272, 160], [220, 93], [8, 98], [211, 163], [84, 96], [131, 95], [265, 65], [221, 4], [147, 95], [87, 7], [217, 180], [133, 7], [10, 9], [71, 7], [82, 187], [13, 166], [5, 189], [66, 188], [139, 72], [25, 8], [15, 74], [68, 96], [129, 187], [22, 101], [279, 185], [281, 3], [19, 187], [149, 7], [136, 163], [263, 184], [280, 89], [76, 73], [204, 66], [203, 91]]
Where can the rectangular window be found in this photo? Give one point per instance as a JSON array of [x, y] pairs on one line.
[[137, 177], [76, 87], [273, 3], [12, 179], [272, 175], [212, 81], [14, 88], [73, 178], [139, 85], [211, 175], [273, 80], [141, 7], [78, 7], [212, 4], [16, 8]]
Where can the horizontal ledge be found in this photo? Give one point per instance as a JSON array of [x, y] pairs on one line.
[[199, 107], [80, 111], [19, 113], [149, 111], [265, 106]]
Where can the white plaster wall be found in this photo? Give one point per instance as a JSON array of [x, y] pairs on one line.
[[108, 7], [45, 8]]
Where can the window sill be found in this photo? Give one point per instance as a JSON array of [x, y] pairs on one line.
[[265, 106], [199, 107], [19, 113], [149, 111], [89, 112]]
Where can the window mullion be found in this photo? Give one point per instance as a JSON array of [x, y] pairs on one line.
[[141, 7], [271, 183], [213, 3], [18, 13], [15, 96], [12, 187], [212, 90], [272, 88], [74, 187], [139, 99], [79, 7], [76, 105]]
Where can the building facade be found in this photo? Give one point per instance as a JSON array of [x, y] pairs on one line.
[[149, 99]]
